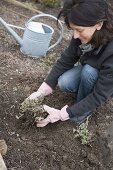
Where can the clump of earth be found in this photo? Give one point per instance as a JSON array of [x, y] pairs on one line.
[[35, 107]]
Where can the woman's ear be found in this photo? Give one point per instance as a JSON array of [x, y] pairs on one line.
[[99, 25]]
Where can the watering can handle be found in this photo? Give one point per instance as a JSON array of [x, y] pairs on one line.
[[61, 26]]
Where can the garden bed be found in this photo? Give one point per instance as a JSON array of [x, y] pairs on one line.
[[53, 147]]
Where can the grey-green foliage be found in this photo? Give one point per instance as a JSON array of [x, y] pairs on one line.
[[51, 3], [82, 133], [35, 106], [32, 105]]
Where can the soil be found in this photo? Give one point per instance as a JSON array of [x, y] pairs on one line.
[[53, 147]]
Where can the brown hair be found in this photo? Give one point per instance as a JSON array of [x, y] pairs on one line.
[[105, 34]]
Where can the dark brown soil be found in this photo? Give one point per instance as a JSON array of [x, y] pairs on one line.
[[54, 146]]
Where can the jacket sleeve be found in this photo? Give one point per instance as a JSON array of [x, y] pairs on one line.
[[103, 89], [65, 62]]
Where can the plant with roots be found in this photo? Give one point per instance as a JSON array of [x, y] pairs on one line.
[[35, 106]]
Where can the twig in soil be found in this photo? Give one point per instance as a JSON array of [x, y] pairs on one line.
[[23, 5], [16, 167], [17, 13]]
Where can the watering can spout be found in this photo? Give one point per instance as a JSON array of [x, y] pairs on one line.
[[12, 32]]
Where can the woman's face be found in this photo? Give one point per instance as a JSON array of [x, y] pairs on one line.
[[84, 33]]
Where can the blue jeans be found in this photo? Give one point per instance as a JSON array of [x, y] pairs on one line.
[[80, 80]]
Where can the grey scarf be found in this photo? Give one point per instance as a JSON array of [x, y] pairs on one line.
[[86, 48]]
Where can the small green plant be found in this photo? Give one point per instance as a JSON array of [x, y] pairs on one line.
[[82, 133], [51, 3]]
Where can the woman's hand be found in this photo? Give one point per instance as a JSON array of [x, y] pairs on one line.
[[54, 115], [43, 90], [34, 95]]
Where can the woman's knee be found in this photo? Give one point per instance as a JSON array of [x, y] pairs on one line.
[[62, 82], [89, 74], [65, 83], [69, 81]]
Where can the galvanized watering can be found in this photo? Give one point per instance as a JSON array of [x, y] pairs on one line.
[[37, 36]]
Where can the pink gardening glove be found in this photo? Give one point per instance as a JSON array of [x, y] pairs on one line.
[[43, 90], [54, 116]]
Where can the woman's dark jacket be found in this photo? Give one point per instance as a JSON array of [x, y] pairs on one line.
[[100, 58]]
